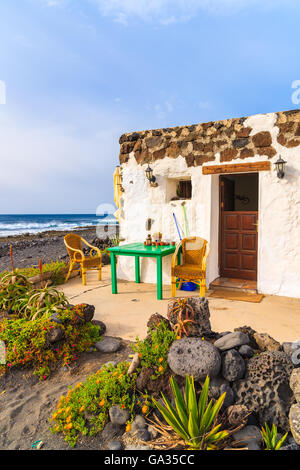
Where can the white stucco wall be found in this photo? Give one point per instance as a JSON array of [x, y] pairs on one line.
[[279, 214]]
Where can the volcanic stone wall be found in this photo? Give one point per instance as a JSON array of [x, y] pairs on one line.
[[200, 143]]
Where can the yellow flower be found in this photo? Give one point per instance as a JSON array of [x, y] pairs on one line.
[[97, 381], [160, 359], [144, 409], [54, 416], [60, 411], [78, 385], [160, 369], [81, 409], [102, 402], [68, 409], [68, 426], [57, 428], [128, 427], [156, 346], [69, 419], [178, 337]]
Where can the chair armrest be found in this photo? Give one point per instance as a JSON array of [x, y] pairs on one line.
[[174, 257], [207, 250], [76, 252], [93, 248]]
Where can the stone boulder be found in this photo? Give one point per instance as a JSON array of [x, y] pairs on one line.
[[101, 325], [118, 415], [233, 365], [108, 345], [266, 342], [295, 384], [201, 316], [156, 319], [231, 340], [265, 388], [236, 415], [195, 357], [294, 417], [247, 330]]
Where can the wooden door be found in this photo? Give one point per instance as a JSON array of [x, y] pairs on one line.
[[238, 240]]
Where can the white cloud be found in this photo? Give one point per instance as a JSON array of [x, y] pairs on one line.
[[167, 12]]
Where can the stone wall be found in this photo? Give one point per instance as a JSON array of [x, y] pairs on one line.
[[200, 143]]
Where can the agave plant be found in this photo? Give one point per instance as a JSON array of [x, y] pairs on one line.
[[195, 423], [14, 291], [270, 437], [43, 302]]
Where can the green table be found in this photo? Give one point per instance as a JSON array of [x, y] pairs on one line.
[[139, 250]]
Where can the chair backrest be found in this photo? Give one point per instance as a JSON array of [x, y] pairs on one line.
[[193, 250], [73, 241]]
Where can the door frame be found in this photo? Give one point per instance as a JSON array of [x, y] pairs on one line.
[[221, 221]]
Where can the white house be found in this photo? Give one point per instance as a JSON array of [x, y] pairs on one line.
[[234, 196]]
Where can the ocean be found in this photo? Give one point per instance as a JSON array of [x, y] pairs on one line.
[[20, 224]]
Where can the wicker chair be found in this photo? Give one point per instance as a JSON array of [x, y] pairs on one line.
[[195, 251], [73, 243]]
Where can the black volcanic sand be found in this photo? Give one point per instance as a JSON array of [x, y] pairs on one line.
[[48, 246], [27, 403]]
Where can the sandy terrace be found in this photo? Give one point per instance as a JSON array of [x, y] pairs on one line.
[[126, 313]]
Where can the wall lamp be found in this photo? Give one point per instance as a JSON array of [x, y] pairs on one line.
[[150, 177], [280, 166]]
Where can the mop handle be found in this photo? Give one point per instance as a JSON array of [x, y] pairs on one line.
[[185, 221], [177, 226]]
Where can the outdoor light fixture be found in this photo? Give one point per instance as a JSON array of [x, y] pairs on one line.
[[150, 177], [280, 165]]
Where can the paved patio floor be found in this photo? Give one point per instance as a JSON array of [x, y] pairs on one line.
[[126, 314]]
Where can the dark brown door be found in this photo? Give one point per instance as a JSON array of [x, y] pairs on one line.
[[238, 239]]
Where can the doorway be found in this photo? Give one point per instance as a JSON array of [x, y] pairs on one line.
[[238, 226]]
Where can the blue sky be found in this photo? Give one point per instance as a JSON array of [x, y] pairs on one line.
[[79, 73]]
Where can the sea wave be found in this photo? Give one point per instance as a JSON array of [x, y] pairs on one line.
[[32, 227]]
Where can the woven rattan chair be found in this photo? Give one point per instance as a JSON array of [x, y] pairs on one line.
[[73, 243], [195, 251]]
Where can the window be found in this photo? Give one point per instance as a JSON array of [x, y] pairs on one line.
[[184, 189]]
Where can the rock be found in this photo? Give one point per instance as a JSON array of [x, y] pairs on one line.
[[287, 348], [246, 351], [112, 431], [233, 365], [132, 447], [156, 319], [153, 432], [115, 445], [295, 383], [294, 417], [229, 397], [138, 423], [236, 414], [134, 364], [108, 345], [160, 385], [215, 384], [55, 317], [101, 325], [200, 307], [195, 357], [253, 445], [232, 340], [55, 335], [265, 388], [266, 342], [110, 363], [88, 312], [248, 434], [118, 415], [290, 447], [247, 330], [143, 435]]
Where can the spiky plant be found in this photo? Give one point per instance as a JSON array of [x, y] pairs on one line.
[[195, 423], [270, 437]]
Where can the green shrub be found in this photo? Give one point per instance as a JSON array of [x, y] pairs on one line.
[[57, 267], [153, 352], [26, 342], [85, 409]]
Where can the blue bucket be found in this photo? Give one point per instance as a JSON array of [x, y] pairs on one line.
[[190, 286]]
